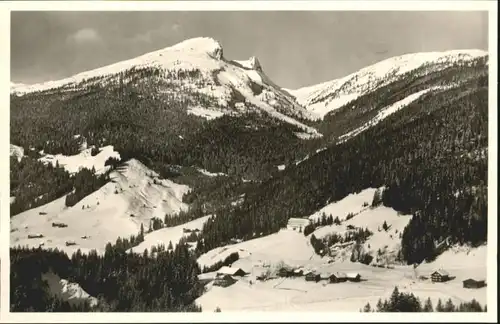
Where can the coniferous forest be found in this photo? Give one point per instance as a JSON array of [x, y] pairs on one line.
[[407, 302], [431, 158], [121, 281]]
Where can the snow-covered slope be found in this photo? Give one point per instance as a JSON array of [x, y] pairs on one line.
[[197, 66], [266, 254], [286, 246], [82, 160], [323, 98], [168, 234], [352, 203], [68, 291], [134, 195]]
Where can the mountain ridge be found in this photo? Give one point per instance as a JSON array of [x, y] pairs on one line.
[[325, 97], [400, 167]]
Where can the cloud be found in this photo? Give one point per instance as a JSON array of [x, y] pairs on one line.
[[160, 33], [86, 35], [175, 27]]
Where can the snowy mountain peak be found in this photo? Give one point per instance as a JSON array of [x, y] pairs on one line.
[[325, 97], [195, 67], [201, 45]]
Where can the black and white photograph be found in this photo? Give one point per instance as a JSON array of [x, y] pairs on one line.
[[227, 161]]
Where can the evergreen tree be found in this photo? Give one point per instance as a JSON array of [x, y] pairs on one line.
[[428, 306], [439, 306]]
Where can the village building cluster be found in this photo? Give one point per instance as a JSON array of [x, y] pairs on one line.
[[227, 276], [310, 275]]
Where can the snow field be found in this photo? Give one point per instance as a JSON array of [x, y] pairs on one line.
[[118, 209]]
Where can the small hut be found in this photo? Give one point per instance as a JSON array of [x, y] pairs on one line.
[[355, 277], [298, 272], [61, 225], [224, 281], [311, 276], [473, 284], [237, 272], [285, 272], [338, 277], [440, 276]]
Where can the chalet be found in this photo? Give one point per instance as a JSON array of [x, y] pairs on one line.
[[324, 276], [440, 276], [311, 276], [297, 223], [285, 272], [353, 277], [473, 284], [238, 272], [224, 281], [33, 236], [69, 243], [61, 225], [298, 272], [338, 277]]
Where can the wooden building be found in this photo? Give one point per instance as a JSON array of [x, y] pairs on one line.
[[355, 277], [473, 284], [338, 277], [440, 276], [285, 272], [236, 272], [33, 236], [311, 276], [224, 281]]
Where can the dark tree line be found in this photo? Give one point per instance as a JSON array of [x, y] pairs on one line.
[[34, 184], [407, 302], [85, 182], [230, 259], [123, 282]]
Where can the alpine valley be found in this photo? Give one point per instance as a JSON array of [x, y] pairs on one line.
[[182, 180]]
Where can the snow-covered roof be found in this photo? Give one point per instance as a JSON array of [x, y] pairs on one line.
[[228, 270], [473, 280], [299, 221], [340, 275], [325, 275], [313, 273], [441, 272], [353, 275]]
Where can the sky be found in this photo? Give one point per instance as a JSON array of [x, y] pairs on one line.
[[295, 48]]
